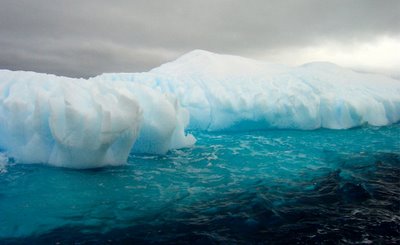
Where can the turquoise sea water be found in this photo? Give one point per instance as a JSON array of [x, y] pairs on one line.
[[279, 186]]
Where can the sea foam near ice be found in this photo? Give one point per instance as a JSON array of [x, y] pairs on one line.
[[3, 162]]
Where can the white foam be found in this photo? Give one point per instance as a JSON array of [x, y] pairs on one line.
[[3, 162]]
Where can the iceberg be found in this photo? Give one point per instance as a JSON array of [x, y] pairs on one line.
[[95, 122], [225, 92], [78, 123]]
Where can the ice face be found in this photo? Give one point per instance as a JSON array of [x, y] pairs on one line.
[[84, 124], [224, 92]]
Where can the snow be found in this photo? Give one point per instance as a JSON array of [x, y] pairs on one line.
[[86, 123]]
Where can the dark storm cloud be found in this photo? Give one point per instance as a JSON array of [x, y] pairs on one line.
[[83, 38]]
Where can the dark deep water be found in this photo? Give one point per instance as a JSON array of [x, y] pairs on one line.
[[278, 186]]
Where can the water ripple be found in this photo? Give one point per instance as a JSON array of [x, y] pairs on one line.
[[283, 187]]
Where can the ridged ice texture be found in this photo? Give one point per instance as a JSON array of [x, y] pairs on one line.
[[96, 122], [84, 124], [224, 92]]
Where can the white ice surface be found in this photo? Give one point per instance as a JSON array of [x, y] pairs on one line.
[[224, 92], [85, 123], [79, 123]]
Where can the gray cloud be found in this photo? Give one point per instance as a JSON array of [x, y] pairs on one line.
[[84, 38]]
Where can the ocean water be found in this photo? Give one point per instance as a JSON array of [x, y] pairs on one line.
[[276, 186]]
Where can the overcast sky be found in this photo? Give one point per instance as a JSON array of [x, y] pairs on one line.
[[83, 38]]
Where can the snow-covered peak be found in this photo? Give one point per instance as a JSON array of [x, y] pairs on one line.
[[213, 64], [322, 65]]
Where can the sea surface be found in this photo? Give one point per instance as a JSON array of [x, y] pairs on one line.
[[274, 187]]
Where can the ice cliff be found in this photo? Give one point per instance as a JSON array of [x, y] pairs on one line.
[[84, 123], [80, 123]]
